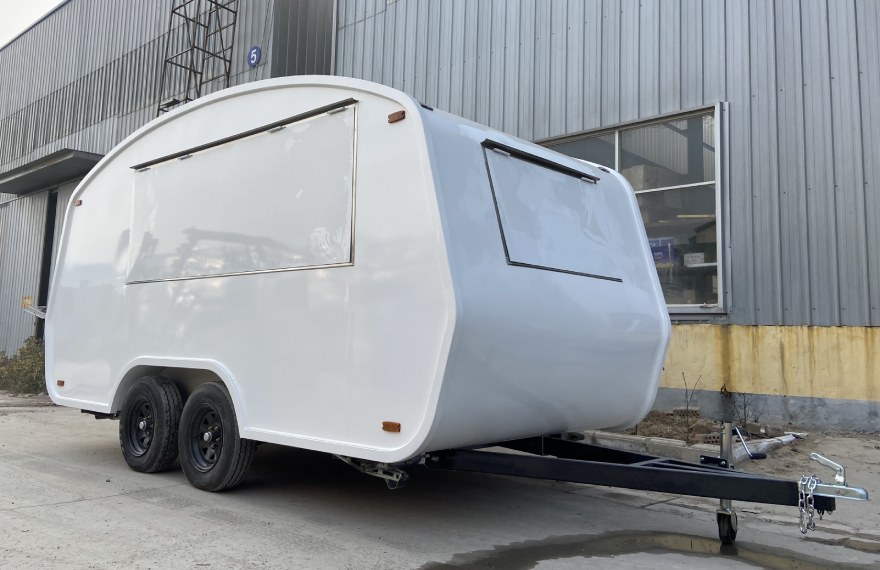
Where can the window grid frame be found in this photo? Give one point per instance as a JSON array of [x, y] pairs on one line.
[[719, 112]]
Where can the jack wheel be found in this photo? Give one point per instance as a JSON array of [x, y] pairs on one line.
[[727, 527]]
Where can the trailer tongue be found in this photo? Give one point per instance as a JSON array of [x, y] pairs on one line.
[[565, 458]]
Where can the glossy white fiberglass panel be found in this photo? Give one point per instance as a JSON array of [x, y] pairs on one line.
[[316, 358], [278, 199], [553, 220]]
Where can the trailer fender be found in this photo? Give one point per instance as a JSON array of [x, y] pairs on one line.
[[192, 372]]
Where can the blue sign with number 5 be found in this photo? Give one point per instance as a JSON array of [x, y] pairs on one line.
[[253, 57]]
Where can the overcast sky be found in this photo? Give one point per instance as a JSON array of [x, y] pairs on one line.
[[16, 15]]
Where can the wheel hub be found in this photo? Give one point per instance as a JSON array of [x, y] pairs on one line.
[[207, 431], [141, 427]]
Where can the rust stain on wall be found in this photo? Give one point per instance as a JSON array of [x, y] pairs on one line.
[[813, 362]]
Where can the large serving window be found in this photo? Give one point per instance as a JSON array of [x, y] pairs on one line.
[[277, 199], [551, 217]]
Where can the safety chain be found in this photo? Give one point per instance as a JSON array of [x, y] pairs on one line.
[[806, 504]]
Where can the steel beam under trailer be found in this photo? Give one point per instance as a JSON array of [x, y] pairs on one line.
[[560, 458]]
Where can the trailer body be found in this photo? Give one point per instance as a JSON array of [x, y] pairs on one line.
[[367, 276]]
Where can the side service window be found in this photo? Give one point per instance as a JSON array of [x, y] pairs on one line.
[[278, 199], [552, 219]]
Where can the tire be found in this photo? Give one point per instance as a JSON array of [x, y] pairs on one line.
[[148, 424], [212, 454]]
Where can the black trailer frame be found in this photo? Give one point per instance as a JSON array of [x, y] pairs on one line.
[[579, 462], [565, 457]]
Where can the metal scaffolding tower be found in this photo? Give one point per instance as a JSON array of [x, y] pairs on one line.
[[198, 50]]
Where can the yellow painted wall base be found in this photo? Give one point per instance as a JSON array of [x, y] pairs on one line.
[[799, 361]]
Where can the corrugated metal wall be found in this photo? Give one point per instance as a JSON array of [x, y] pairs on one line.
[[303, 38], [802, 80], [22, 225], [88, 75]]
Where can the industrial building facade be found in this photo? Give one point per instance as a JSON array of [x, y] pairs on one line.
[[745, 128], [89, 74]]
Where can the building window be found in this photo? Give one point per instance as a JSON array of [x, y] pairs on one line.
[[671, 165]]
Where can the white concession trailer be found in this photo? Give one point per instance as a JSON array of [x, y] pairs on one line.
[[346, 270], [325, 263]]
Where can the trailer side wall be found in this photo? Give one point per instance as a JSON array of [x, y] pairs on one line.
[[313, 357]]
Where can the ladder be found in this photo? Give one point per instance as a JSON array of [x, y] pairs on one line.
[[198, 50]]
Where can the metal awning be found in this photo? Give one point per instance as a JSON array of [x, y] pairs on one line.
[[55, 168]]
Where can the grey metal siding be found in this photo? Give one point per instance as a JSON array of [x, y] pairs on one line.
[[302, 37], [868, 42], [22, 223], [87, 76], [800, 78], [22, 226], [792, 200], [765, 255], [849, 187]]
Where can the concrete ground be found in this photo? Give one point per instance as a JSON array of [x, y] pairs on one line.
[[67, 500]]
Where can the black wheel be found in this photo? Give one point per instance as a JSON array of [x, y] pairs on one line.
[[212, 454], [148, 424], [727, 527]]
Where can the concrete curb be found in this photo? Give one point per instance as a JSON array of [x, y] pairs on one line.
[[677, 449]]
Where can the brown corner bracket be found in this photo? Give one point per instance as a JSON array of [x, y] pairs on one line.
[[397, 116], [78, 203]]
